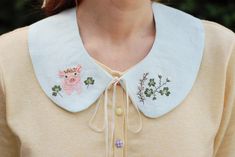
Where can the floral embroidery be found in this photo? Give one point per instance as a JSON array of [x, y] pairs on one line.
[[71, 81], [56, 90], [165, 91], [89, 81], [151, 82], [153, 89], [148, 92]]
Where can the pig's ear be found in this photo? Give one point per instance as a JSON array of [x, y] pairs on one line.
[[61, 74], [79, 68]]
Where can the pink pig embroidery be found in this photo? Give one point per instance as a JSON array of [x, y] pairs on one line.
[[71, 80]]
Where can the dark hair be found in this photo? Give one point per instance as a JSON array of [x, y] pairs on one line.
[[52, 7]]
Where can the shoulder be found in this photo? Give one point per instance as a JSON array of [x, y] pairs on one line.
[[219, 40], [14, 38], [16, 34], [13, 45], [218, 33]]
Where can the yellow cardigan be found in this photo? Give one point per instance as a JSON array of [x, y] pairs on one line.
[[203, 125]]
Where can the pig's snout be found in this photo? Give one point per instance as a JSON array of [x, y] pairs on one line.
[[72, 80]]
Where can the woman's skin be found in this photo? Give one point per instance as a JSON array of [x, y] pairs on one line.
[[117, 33]]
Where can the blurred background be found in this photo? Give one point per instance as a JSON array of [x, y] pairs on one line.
[[19, 13]]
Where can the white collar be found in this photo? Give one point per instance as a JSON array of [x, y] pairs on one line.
[[55, 45]]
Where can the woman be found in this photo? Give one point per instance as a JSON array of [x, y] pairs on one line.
[[117, 78]]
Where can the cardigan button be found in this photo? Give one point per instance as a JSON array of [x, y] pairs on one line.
[[119, 111], [119, 143]]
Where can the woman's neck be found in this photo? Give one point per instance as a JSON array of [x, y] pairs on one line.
[[116, 19]]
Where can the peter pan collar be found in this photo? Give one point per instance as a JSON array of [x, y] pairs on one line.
[[72, 79]]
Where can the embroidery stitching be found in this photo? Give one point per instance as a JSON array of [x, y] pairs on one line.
[[71, 81], [56, 90], [152, 90], [89, 81], [141, 87]]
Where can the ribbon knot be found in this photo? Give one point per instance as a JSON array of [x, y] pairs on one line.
[[113, 83]]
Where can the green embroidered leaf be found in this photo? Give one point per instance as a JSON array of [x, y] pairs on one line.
[[54, 94], [53, 88], [148, 92], [165, 91], [168, 93], [56, 90], [151, 82], [165, 88], [89, 81]]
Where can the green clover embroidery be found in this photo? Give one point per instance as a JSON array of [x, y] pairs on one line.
[[89, 81], [152, 82], [148, 92], [165, 91], [56, 90]]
